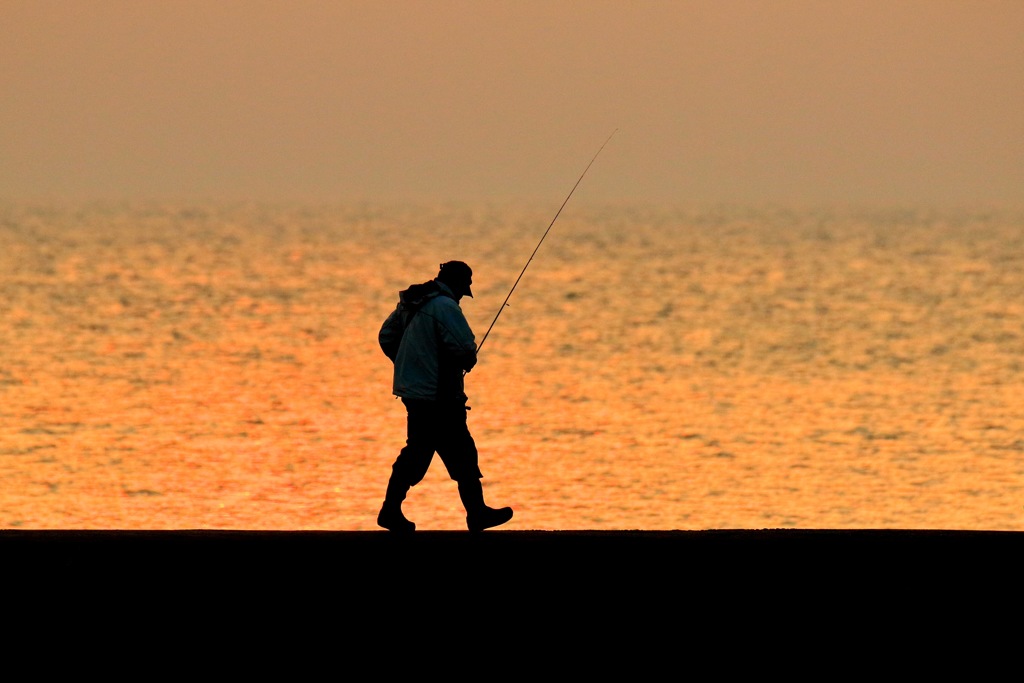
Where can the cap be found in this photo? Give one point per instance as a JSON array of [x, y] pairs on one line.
[[458, 276]]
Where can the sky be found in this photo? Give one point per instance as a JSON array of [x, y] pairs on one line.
[[902, 102]]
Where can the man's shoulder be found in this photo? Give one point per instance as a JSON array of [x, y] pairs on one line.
[[416, 296], [443, 302], [447, 311]]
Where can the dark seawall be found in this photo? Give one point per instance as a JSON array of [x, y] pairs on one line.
[[641, 602], [520, 564]]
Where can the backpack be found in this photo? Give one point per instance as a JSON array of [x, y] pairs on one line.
[[410, 301]]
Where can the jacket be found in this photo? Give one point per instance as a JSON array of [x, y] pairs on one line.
[[430, 343]]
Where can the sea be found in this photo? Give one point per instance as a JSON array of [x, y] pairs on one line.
[[174, 365]]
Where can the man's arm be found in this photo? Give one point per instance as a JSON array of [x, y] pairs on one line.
[[456, 336]]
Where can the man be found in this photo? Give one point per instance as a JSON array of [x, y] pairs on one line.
[[432, 347]]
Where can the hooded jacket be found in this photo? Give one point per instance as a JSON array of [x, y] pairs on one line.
[[430, 342]]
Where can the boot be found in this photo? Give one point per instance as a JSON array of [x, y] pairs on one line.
[[478, 515], [390, 516]]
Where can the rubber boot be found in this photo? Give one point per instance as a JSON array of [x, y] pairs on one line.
[[478, 515], [390, 516]]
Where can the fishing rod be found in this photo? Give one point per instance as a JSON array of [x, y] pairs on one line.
[[505, 303]]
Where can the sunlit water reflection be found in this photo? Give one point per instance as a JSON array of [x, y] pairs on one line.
[[171, 367]]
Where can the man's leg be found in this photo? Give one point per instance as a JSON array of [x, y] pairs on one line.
[[478, 515], [411, 465], [457, 450], [391, 516]]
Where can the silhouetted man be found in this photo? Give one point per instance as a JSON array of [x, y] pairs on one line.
[[432, 347]]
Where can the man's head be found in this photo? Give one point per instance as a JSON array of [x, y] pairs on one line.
[[458, 276]]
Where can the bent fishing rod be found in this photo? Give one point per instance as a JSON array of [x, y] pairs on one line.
[[557, 213]]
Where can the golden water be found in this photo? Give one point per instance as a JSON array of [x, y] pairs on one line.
[[177, 367]]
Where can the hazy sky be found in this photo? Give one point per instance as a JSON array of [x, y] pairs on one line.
[[880, 101]]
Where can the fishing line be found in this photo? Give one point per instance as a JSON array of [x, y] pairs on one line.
[[505, 303]]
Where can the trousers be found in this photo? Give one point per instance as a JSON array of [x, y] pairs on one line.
[[436, 427]]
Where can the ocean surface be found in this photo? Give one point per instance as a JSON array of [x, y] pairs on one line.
[[177, 366]]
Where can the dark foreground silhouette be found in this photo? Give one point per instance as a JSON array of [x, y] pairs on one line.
[[639, 603], [593, 565]]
